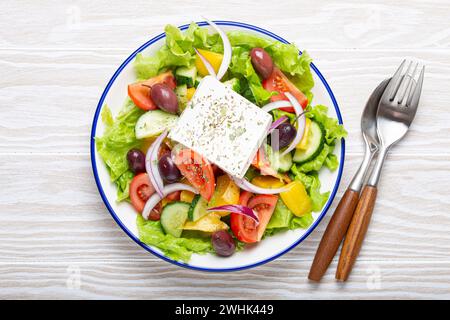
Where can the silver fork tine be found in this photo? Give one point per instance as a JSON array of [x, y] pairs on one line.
[[406, 84], [394, 83], [413, 100]]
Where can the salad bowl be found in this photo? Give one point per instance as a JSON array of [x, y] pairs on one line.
[[122, 212]]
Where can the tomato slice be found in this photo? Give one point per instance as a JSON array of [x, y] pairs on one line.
[[264, 205], [244, 228], [277, 81], [197, 170], [139, 92], [140, 191], [174, 196], [155, 214]]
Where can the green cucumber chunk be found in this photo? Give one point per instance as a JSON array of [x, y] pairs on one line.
[[186, 75], [315, 144], [153, 123], [173, 217], [198, 208], [278, 162], [181, 92]]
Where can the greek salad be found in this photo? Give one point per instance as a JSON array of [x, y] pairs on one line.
[[218, 144]]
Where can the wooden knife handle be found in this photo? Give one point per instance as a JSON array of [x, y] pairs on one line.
[[334, 234], [356, 232]]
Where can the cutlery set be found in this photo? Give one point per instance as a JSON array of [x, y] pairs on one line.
[[386, 119]]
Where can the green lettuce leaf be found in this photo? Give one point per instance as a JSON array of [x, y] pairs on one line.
[[241, 67], [178, 50], [281, 216], [247, 40], [180, 249], [333, 130], [331, 162], [316, 163], [118, 138], [285, 56], [283, 219], [123, 186], [302, 222], [318, 199]]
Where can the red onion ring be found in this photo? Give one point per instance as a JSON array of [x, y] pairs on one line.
[[208, 65], [301, 123], [155, 198], [227, 50], [276, 105], [276, 123], [235, 208], [151, 164]]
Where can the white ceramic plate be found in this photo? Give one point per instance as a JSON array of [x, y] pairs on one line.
[[270, 248]]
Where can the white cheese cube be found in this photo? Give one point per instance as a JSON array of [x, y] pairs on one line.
[[222, 126]]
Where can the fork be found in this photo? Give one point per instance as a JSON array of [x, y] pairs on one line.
[[396, 111]]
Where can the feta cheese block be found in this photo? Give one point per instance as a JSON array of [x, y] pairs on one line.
[[222, 126]]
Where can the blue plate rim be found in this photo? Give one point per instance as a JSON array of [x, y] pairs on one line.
[[148, 248]]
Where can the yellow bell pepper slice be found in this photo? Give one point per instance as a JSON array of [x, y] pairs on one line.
[[267, 182], [215, 59], [208, 223], [305, 139], [226, 192], [186, 196], [190, 93], [296, 199]]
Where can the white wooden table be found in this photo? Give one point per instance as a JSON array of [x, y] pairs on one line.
[[57, 239]]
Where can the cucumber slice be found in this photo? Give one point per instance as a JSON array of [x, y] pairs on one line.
[[153, 122], [284, 163], [186, 75], [173, 217], [181, 92], [315, 144], [234, 84], [198, 208], [278, 162]]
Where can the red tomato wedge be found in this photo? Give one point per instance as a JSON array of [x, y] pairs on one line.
[[139, 92], [174, 196], [140, 191], [264, 205], [280, 83], [245, 228], [197, 170]]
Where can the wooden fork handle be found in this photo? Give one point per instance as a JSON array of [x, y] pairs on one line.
[[334, 234], [356, 232]]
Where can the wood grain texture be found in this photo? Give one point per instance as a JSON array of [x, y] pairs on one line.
[[149, 279], [57, 56], [104, 24], [356, 232], [334, 234]]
